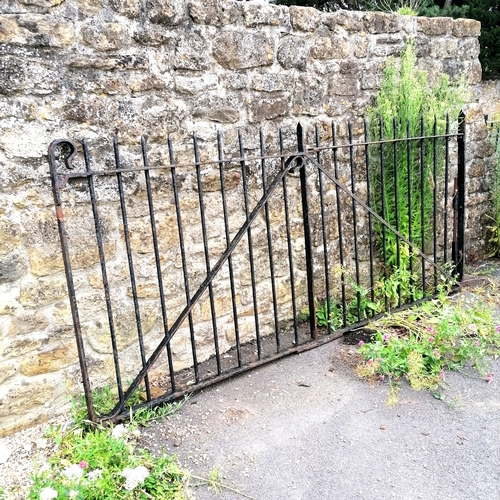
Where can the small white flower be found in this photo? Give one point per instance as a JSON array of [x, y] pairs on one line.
[[134, 477], [119, 431], [73, 472], [94, 474], [73, 494], [48, 494]]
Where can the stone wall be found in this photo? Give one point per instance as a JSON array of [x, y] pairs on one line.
[[93, 68], [487, 94]]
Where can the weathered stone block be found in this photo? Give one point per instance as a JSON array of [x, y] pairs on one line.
[[308, 96], [90, 109], [141, 240], [222, 306], [20, 347], [344, 85], [43, 246], [329, 47], [293, 52], [444, 48], [210, 182], [435, 25], [305, 18], [466, 27], [12, 267], [104, 36], [23, 324], [271, 82], [143, 82], [129, 8], [360, 46], [221, 114], [256, 14], [192, 53], [380, 22], [351, 21], [371, 75], [474, 73], [386, 46], [152, 36], [20, 398], [89, 6], [267, 109], [17, 423], [242, 49], [29, 76], [49, 361], [453, 68], [215, 12], [468, 48], [36, 30], [10, 236], [167, 12], [125, 325], [194, 84], [43, 291]]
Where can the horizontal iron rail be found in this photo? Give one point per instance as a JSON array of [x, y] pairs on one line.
[[238, 159]]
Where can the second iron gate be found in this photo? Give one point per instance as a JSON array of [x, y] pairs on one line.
[[187, 265]]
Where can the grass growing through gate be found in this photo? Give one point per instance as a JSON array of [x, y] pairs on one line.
[[405, 98], [104, 401]]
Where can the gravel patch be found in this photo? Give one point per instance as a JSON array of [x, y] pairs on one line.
[[23, 452]]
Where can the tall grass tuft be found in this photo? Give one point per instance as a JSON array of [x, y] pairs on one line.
[[494, 227], [408, 105]]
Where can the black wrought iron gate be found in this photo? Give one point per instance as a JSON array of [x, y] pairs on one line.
[[186, 271]]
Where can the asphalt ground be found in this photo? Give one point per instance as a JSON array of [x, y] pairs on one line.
[[306, 427]]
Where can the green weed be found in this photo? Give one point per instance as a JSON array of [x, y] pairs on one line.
[[420, 344]]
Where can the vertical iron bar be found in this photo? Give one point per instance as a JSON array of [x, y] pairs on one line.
[[409, 173], [228, 242], [434, 202], [158, 270], [104, 273], [396, 201], [68, 271], [461, 197], [289, 243], [183, 258], [323, 227], [354, 220], [269, 241], [339, 223], [126, 235], [307, 234], [368, 202], [446, 187], [206, 251], [382, 193], [250, 245], [422, 199]]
